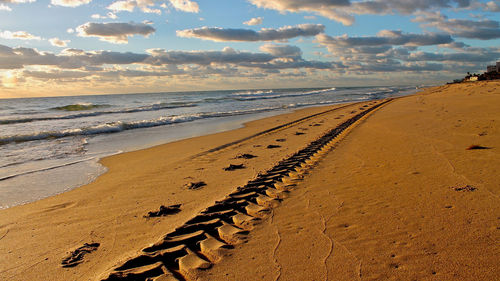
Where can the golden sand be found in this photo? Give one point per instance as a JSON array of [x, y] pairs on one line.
[[397, 196]]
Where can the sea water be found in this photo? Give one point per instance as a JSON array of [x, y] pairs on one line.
[[50, 145]]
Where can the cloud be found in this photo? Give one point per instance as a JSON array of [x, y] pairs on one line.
[[56, 74], [5, 8], [384, 38], [492, 6], [326, 8], [227, 55], [344, 10], [254, 21], [472, 56], [265, 34], [146, 6], [109, 15], [20, 35], [119, 6], [281, 50], [272, 57], [481, 29], [69, 3], [17, 1], [150, 6], [58, 42], [117, 33], [185, 6]]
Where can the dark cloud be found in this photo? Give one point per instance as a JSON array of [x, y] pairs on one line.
[[384, 38], [116, 32], [56, 75], [343, 10], [282, 50], [473, 29], [279, 57], [266, 34], [473, 56], [228, 55]]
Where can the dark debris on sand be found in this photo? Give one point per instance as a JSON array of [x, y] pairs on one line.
[[76, 257], [475, 146], [245, 156], [273, 146], [195, 185], [164, 211], [233, 167], [467, 188]]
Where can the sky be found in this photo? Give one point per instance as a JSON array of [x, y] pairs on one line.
[[80, 47]]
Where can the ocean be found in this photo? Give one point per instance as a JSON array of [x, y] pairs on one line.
[[51, 145]]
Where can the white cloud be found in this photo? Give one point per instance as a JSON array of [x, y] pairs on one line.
[[117, 33], [58, 42], [69, 3], [109, 15], [254, 21], [17, 1], [185, 5], [21, 35], [265, 34], [5, 8], [125, 5], [150, 6]]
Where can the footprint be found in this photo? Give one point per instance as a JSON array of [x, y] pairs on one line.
[[76, 257], [233, 167], [245, 156], [164, 211], [195, 185], [273, 146], [281, 140], [467, 188], [475, 146], [299, 133]]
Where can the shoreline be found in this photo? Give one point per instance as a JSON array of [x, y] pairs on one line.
[[36, 160], [110, 211], [90, 166]]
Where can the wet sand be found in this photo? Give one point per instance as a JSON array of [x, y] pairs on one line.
[[393, 194]]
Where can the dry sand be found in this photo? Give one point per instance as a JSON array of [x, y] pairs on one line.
[[398, 198]]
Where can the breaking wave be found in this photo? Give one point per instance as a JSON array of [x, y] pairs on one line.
[[119, 126], [80, 107], [153, 107]]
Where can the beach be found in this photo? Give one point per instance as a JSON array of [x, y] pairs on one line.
[[391, 189]]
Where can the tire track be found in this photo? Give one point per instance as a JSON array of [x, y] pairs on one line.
[[204, 239]]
